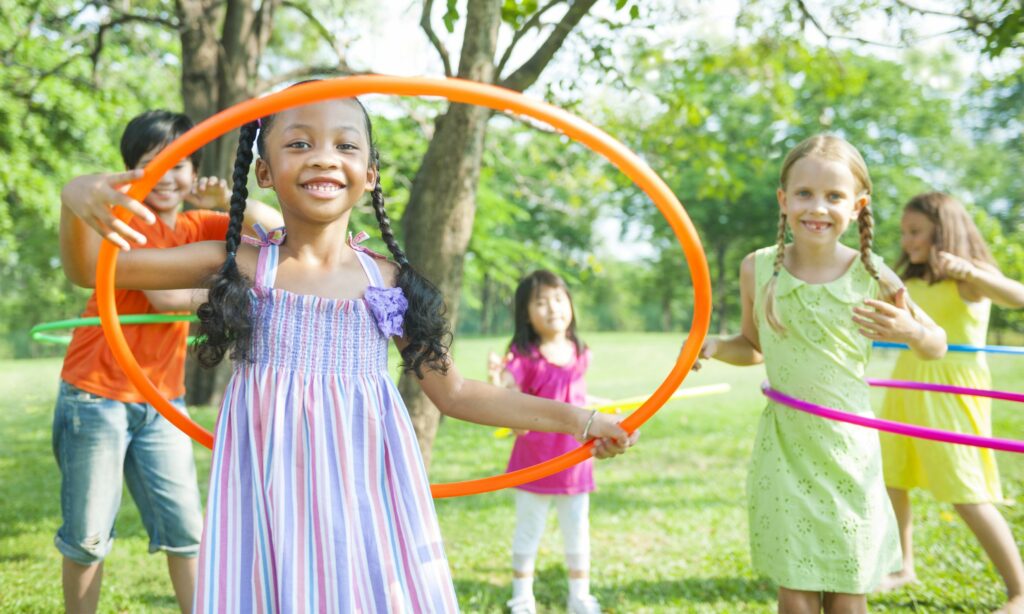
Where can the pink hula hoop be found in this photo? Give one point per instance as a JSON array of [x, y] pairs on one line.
[[974, 392], [898, 428]]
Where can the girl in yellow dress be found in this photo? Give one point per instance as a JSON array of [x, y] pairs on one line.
[[952, 276]]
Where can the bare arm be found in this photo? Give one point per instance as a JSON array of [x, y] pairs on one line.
[[259, 212], [984, 281], [176, 300], [900, 322], [213, 193], [184, 267], [742, 349], [86, 218], [482, 403]]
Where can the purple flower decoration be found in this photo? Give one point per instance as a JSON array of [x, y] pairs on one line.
[[388, 306]]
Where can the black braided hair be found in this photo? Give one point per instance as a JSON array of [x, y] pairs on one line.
[[426, 328], [225, 319]]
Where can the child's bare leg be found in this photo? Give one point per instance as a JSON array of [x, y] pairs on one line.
[[989, 526], [81, 586], [799, 602], [845, 603], [183, 578], [905, 523]]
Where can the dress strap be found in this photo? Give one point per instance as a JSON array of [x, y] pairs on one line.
[[366, 257], [371, 269], [266, 266]]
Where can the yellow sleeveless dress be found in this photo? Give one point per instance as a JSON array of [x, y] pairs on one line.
[[953, 473]]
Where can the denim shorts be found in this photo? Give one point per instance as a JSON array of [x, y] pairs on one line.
[[101, 444]]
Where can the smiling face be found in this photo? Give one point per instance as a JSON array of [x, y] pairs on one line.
[[550, 311], [168, 193], [820, 199], [317, 159], [917, 235]]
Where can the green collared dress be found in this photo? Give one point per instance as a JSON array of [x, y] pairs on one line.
[[820, 518]]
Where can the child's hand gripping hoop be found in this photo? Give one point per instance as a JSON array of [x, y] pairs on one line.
[[455, 90]]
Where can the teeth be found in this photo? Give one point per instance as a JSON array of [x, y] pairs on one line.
[[322, 187]]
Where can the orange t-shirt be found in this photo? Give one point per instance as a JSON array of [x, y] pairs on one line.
[[160, 348]]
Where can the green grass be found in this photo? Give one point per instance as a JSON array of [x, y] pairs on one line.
[[668, 520]]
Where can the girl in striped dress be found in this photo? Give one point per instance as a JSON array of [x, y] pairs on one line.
[[319, 500]]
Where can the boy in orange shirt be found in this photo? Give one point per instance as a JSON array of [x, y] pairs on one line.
[[103, 429]]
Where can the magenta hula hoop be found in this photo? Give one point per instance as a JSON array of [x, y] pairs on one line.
[[898, 428], [1002, 395]]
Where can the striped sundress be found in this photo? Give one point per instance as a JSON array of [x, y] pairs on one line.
[[319, 500]]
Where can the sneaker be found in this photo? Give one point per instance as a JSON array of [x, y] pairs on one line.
[[523, 604], [587, 604]]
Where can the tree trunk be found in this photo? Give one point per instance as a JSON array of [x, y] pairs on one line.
[[486, 304], [218, 72], [438, 220]]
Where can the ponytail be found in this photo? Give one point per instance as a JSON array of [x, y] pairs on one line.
[[769, 290]]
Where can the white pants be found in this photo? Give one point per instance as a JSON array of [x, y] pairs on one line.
[[573, 520]]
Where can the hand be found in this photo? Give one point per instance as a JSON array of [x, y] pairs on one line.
[[954, 267], [610, 439], [90, 198], [885, 322], [496, 365], [707, 351], [210, 193]]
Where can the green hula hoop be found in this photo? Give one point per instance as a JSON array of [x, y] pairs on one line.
[[40, 332]]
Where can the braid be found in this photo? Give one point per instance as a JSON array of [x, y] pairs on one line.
[[425, 326], [866, 227], [224, 319], [769, 290], [384, 222]]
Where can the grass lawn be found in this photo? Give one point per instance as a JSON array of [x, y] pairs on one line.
[[669, 524]]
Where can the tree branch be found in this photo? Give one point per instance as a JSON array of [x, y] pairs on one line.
[[333, 70], [434, 40], [97, 49], [321, 29], [829, 36], [532, 22], [525, 76]]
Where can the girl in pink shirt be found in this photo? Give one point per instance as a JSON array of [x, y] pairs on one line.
[[547, 359]]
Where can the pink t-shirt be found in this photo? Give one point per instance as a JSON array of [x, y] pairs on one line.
[[535, 375]]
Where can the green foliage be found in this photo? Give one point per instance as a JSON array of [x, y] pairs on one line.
[[51, 129], [716, 123], [538, 199]]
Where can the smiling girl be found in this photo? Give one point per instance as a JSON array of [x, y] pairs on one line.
[[820, 525]]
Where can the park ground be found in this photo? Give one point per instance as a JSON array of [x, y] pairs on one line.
[[668, 522]]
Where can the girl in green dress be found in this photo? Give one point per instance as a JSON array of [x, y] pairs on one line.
[[821, 526]]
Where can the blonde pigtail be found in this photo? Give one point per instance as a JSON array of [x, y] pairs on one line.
[[866, 226], [769, 289]]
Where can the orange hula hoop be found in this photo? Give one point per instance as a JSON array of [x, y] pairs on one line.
[[459, 91]]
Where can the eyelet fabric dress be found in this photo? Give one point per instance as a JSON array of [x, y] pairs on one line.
[[820, 517]]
